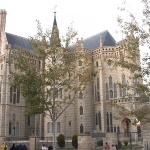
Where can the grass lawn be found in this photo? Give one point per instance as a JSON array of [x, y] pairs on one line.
[[128, 146], [66, 149]]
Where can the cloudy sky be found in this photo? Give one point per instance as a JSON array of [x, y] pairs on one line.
[[89, 17]]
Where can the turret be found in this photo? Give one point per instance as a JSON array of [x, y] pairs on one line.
[[55, 33], [3, 14]]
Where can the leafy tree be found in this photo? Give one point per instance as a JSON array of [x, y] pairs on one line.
[[48, 76], [61, 141], [136, 32], [75, 141]]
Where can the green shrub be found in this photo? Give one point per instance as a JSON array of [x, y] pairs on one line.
[[61, 141], [119, 144], [125, 142], [100, 143], [75, 141]]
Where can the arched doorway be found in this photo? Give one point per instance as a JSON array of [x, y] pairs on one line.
[[126, 123]]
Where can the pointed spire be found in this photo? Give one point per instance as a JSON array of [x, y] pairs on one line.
[[55, 33]]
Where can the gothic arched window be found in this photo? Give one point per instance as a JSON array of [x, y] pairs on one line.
[[18, 96], [111, 94], [120, 90], [110, 81], [58, 127], [123, 79], [97, 83], [80, 63], [60, 93], [48, 127], [10, 127], [107, 92], [81, 110], [115, 90], [98, 96], [109, 62], [11, 93], [17, 128], [81, 128], [99, 118], [80, 95], [96, 119]]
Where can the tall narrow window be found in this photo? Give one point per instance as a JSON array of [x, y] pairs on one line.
[[80, 63], [111, 122], [95, 94], [97, 83], [48, 127], [14, 98], [109, 62], [115, 90], [123, 79], [96, 63], [60, 93], [18, 95], [120, 90], [110, 81], [17, 128], [96, 119], [98, 96], [10, 127], [81, 110], [52, 127], [81, 128], [118, 129], [80, 95], [28, 120], [111, 94], [58, 127], [108, 122], [107, 92], [99, 116], [11, 94]]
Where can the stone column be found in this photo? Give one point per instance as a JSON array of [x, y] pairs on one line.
[[34, 143], [84, 142], [146, 139]]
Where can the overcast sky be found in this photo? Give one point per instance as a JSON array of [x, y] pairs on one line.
[[89, 16]]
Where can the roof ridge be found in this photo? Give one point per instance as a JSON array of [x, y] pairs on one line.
[[96, 34], [17, 35]]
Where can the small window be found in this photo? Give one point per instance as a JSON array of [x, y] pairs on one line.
[[28, 120], [10, 126], [81, 128], [97, 64], [109, 62], [80, 95], [81, 110], [58, 127], [2, 67], [80, 63], [111, 94], [48, 127], [70, 123]]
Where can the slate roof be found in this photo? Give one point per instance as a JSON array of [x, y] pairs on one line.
[[15, 40], [93, 42]]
